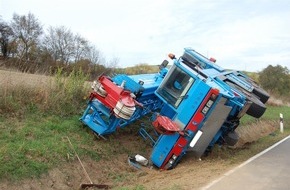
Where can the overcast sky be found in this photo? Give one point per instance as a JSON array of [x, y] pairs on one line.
[[241, 34]]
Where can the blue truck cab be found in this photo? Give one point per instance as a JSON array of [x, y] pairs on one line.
[[203, 108]]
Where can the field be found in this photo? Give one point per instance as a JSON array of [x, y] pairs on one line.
[[35, 152]]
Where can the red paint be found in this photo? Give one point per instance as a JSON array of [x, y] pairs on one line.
[[165, 125], [114, 94], [193, 126], [198, 117]]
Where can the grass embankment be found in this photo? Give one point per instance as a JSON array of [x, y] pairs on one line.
[[31, 146], [37, 143], [36, 113], [36, 120]]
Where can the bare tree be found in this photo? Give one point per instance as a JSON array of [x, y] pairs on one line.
[[66, 47], [27, 30], [6, 38], [95, 56], [60, 43], [81, 48], [113, 63]]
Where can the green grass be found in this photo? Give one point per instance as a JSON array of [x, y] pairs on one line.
[[271, 113], [31, 146], [35, 143]]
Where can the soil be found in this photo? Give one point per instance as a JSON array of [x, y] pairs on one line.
[[190, 174]]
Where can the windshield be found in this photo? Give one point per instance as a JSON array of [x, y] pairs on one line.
[[175, 86]]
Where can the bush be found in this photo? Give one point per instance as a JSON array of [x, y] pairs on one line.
[[276, 79], [67, 93]]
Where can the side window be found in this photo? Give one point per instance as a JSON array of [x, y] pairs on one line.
[[175, 86], [202, 65]]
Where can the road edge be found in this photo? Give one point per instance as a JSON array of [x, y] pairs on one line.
[[244, 163]]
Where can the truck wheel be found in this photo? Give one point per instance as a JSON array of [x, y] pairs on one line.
[[261, 93], [231, 138], [257, 109], [258, 91]]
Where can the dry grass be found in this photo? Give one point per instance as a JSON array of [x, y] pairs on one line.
[[273, 101], [22, 93], [14, 79], [254, 131], [18, 90]]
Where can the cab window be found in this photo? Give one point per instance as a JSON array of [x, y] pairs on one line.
[[175, 86]]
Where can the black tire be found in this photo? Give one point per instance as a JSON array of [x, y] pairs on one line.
[[258, 91], [261, 93], [231, 138], [257, 108]]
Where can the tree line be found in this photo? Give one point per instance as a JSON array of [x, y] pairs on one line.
[[26, 46]]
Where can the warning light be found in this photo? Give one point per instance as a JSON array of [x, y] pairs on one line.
[[212, 59], [171, 56]]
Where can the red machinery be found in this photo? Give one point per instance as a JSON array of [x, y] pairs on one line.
[[115, 97]]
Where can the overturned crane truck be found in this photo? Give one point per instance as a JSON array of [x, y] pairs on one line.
[[195, 109]]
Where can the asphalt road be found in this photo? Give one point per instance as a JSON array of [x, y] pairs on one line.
[[269, 170]]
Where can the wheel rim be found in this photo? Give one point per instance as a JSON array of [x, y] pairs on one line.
[[99, 89], [123, 111]]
